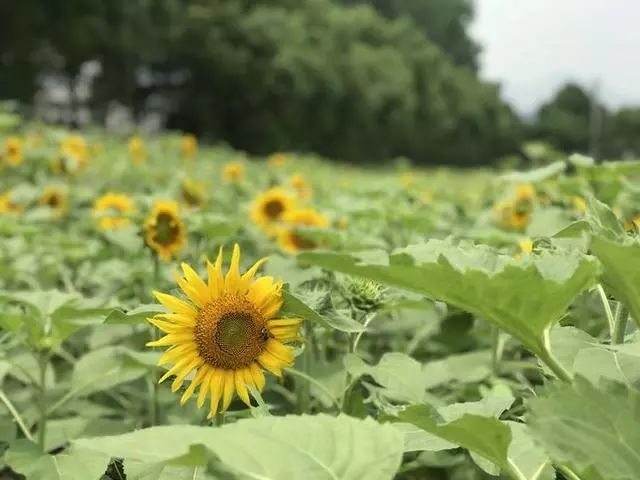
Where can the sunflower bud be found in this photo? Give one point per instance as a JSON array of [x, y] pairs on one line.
[[366, 295]]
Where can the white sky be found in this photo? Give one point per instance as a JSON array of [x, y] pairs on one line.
[[533, 46]]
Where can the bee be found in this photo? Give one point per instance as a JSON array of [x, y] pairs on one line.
[[264, 334]]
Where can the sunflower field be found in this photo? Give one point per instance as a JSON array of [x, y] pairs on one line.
[[171, 310]]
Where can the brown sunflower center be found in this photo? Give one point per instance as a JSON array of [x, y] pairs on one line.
[[12, 151], [230, 332], [166, 230], [302, 243], [53, 200], [273, 208]]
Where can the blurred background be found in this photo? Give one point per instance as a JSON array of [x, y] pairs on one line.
[[456, 82]]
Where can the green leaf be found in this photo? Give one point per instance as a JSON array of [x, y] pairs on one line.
[[590, 427], [271, 448], [26, 458], [294, 307], [136, 315], [523, 297]]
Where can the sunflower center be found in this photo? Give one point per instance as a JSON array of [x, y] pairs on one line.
[[53, 201], [229, 332], [12, 151], [302, 243], [273, 208], [166, 230]]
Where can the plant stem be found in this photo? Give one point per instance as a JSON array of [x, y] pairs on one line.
[[219, 419], [16, 416], [368, 318], [567, 472], [43, 362], [547, 357], [320, 386], [303, 394], [496, 350], [153, 384], [619, 324], [607, 307]]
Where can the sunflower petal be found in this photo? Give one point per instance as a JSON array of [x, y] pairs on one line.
[[232, 280], [197, 380], [175, 304], [179, 380], [204, 388], [172, 339], [258, 376], [190, 291], [196, 283], [229, 387], [216, 387], [241, 387], [246, 279]]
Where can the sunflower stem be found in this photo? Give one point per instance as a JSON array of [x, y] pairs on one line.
[[153, 384], [43, 362], [619, 324], [220, 418], [303, 393], [16, 416]]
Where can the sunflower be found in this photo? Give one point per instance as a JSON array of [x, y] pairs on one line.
[[164, 231], [270, 206], [137, 149], [278, 160], [73, 157], [54, 199], [525, 193], [111, 209], [13, 151], [289, 239], [579, 204], [193, 192], [226, 333], [629, 224], [233, 172], [188, 145], [9, 205], [509, 216], [301, 186], [526, 246]]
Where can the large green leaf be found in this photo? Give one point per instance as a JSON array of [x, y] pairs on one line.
[[525, 297], [26, 458], [269, 448], [590, 427]]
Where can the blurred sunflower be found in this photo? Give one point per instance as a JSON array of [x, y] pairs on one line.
[[111, 209], [55, 199], [13, 154], [579, 204], [508, 216], [301, 186], [525, 193], [9, 205], [188, 145], [407, 180], [73, 157], [233, 172], [194, 193], [526, 246], [269, 207], [137, 149], [289, 238], [165, 233], [226, 333], [278, 160], [426, 196], [635, 221]]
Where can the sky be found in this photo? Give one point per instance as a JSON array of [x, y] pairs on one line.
[[533, 46]]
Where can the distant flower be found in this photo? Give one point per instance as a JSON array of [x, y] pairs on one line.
[[579, 204], [111, 210], [54, 199], [269, 208], [8, 204], [290, 239], [188, 145], [278, 160], [137, 150], [233, 172], [164, 231], [301, 186], [13, 154], [194, 193]]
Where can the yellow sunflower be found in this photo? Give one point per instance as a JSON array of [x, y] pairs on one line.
[[289, 239], [111, 210], [629, 224], [137, 150], [509, 216], [278, 160], [525, 192], [233, 172], [226, 333], [164, 231], [188, 145], [526, 246], [270, 206], [55, 199], [73, 157], [194, 193], [9, 205], [13, 151], [301, 186]]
